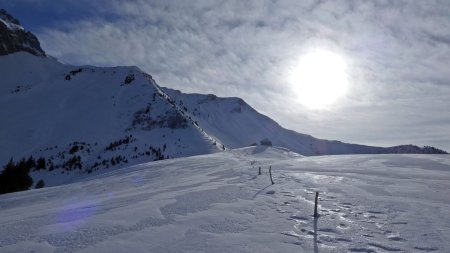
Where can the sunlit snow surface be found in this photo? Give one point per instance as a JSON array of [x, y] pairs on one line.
[[218, 203]]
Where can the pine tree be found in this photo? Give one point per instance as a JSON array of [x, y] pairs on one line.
[[15, 177], [40, 163]]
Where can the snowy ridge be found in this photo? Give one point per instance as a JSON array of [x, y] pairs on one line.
[[237, 125], [84, 119], [219, 203], [191, 120]]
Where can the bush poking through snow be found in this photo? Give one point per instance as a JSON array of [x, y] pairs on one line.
[[266, 142], [40, 184], [128, 79], [40, 164]]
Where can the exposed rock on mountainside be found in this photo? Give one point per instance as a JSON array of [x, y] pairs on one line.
[[14, 38]]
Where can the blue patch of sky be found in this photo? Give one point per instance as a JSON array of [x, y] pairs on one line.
[[36, 15]]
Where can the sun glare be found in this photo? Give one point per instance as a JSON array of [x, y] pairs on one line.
[[319, 79]]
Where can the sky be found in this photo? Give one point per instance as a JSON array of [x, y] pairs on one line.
[[397, 56]]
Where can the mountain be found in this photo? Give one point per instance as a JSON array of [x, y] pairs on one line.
[[14, 38], [86, 118], [237, 124], [69, 121]]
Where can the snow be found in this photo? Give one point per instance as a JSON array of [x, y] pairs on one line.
[[11, 26], [49, 106], [236, 124], [218, 203]]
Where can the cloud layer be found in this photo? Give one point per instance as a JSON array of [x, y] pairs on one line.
[[398, 54]]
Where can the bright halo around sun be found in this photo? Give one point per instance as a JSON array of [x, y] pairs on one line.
[[319, 79]]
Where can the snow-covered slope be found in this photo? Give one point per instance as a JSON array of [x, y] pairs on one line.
[[88, 117], [218, 203], [237, 124]]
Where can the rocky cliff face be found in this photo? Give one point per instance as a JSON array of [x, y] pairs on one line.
[[14, 38]]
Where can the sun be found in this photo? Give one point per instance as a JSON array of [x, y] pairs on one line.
[[319, 79]]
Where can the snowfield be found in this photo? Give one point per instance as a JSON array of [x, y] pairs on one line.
[[219, 203]]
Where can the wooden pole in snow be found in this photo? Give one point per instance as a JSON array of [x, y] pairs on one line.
[[316, 215], [270, 173]]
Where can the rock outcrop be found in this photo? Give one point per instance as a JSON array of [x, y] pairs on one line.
[[14, 38]]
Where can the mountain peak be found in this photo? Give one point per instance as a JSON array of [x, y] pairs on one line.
[[14, 38], [5, 16]]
